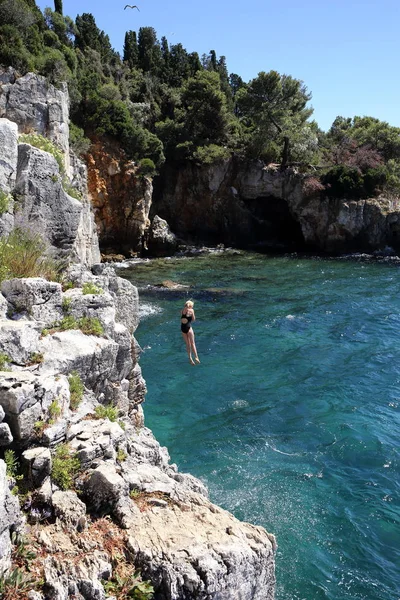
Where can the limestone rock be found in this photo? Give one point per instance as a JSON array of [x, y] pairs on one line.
[[92, 357], [8, 154], [161, 241], [202, 552], [105, 487], [44, 203], [37, 463], [36, 105], [8, 171], [5, 435], [26, 399], [19, 340], [96, 306], [3, 307], [38, 298], [86, 244], [9, 517], [68, 507]]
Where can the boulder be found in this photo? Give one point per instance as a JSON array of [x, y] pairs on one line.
[[161, 241], [37, 464], [105, 487], [27, 398], [96, 306], [35, 297], [19, 340], [68, 507], [94, 358], [6, 437]]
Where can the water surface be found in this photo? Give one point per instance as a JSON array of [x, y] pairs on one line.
[[292, 418]]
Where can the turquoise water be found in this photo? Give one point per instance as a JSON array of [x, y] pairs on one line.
[[292, 418]]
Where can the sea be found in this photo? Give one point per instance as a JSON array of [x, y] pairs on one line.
[[292, 419]]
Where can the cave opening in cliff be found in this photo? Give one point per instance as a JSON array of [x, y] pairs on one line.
[[275, 227]]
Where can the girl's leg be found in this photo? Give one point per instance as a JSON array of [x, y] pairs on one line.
[[192, 343], [185, 337]]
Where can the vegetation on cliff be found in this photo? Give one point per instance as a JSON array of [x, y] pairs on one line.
[[162, 102]]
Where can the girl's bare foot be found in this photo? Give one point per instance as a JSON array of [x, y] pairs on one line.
[[197, 359], [191, 361]]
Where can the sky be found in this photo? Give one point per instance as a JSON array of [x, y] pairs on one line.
[[347, 52]]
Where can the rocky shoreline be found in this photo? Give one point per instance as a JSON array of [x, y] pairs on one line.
[[87, 495]]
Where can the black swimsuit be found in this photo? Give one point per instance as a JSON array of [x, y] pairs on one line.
[[186, 326]]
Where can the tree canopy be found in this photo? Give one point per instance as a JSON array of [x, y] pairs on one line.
[[162, 102]]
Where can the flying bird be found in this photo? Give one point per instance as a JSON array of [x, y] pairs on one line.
[[130, 6]]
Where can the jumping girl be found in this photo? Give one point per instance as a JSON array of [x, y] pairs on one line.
[[187, 316]]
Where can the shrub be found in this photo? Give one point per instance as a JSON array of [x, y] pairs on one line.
[[67, 285], [344, 182], [67, 322], [66, 305], [90, 326], [4, 202], [121, 455], [65, 467], [129, 586], [36, 358], [16, 584], [4, 360], [207, 155], [12, 48], [76, 389], [78, 142], [91, 288], [12, 463], [71, 190], [22, 254], [54, 411], [39, 427], [43, 143], [312, 186], [147, 167], [106, 412]]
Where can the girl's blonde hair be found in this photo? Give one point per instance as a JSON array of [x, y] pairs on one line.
[[189, 303]]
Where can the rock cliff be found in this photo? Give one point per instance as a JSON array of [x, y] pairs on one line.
[[31, 178], [164, 521], [121, 198], [87, 495], [250, 205]]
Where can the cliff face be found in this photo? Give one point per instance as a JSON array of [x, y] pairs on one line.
[[121, 198], [247, 204], [31, 177]]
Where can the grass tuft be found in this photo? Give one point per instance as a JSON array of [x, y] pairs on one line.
[[65, 467]]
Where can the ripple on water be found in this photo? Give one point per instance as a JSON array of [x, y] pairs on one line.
[[293, 417]]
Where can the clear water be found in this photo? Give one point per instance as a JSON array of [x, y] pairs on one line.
[[292, 418]]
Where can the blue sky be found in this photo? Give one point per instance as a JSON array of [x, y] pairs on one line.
[[346, 52]]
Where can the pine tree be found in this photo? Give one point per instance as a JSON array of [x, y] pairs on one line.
[[58, 6], [131, 52]]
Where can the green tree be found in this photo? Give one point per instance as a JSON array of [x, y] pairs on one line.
[[89, 35], [58, 6], [131, 49], [269, 104], [149, 50]]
